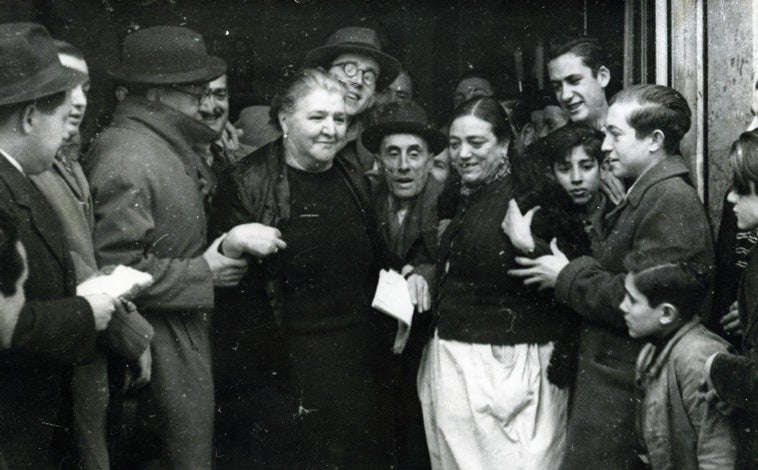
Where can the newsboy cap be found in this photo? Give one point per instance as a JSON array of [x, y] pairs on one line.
[[29, 64], [356, 40], [163, 55]]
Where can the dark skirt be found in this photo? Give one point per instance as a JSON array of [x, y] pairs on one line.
[[343, 390]]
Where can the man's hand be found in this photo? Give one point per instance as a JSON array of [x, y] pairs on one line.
[[518, 226], [542, 271], [612, 187], [230, 137], [731, 321], [253, 239], [139, 376], [419, 291], [226, 271], [103, 306]]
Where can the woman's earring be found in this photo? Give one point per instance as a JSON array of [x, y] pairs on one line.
[[284, 135]]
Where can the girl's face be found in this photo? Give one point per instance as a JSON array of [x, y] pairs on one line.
[[745, 208], [578, 175], [474, 149]]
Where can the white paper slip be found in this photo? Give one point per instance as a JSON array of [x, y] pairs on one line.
[[392, 296], [123, 282]]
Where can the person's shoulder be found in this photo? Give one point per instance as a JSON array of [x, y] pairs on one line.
[[694, 348], [124, 147], [255, 161]]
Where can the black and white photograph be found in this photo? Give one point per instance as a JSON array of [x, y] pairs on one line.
[[378, 234]]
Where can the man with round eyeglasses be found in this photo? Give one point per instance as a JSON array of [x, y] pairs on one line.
[[353, 55]]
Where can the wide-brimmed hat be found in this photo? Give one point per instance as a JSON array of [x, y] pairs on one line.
[[29, 64], [355, 40], [162, 55], [402, 117]]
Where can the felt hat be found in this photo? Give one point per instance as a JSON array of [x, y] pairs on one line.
[[355, 40], [29, 64], [163, 55], [257, 129], [402, 117]]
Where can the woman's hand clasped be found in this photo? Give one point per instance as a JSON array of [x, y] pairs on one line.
[[518, 226]]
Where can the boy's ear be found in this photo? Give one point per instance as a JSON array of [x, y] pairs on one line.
[[603, 76], [669, 313], [656, 140]]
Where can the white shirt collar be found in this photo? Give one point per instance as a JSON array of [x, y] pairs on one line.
[[12, 161]]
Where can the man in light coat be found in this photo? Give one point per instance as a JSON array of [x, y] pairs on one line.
[[150, 191]]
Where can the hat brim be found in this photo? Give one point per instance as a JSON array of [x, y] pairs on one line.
[[212, 70], [43, 85], [324, 55], [372, 137]]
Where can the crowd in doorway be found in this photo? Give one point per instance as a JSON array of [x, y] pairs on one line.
[[185, 292]]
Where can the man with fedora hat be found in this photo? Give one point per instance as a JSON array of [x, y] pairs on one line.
[[150, 189], [128, 335], [55, 329], [353, 55], [405, 143]]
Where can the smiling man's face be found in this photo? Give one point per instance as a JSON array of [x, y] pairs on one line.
[[359, 96]]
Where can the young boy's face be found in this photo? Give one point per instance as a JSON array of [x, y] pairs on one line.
[[628, 155], [745, 208], [578, 175], [642, 319]]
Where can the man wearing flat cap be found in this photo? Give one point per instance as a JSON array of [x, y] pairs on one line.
[[150, 188], [55, 329], [405, 143], [353, 55]]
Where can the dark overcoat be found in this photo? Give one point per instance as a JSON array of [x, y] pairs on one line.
[[662, 210], [55, 330]]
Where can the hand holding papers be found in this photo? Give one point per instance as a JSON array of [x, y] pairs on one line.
[[121, 283], [392, 298]]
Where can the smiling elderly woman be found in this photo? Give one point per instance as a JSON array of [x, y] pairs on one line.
[[321, 281]]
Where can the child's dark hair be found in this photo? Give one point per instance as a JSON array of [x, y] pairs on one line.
[[661, 108], [744, 162], [669, 275], [560, 142]]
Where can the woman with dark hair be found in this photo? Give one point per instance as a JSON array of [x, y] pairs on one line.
[[483, 381], [319, 259]]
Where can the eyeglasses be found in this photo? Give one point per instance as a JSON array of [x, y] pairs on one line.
[[198, 96], [218, 94], [351, 70]]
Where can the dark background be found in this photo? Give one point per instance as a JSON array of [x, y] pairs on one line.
[[261, 40]]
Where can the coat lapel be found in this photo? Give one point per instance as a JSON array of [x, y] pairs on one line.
[[41, 217]]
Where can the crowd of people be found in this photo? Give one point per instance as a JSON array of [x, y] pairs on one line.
[[570, 309]]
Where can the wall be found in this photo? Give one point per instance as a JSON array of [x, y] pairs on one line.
[[732, 31]]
